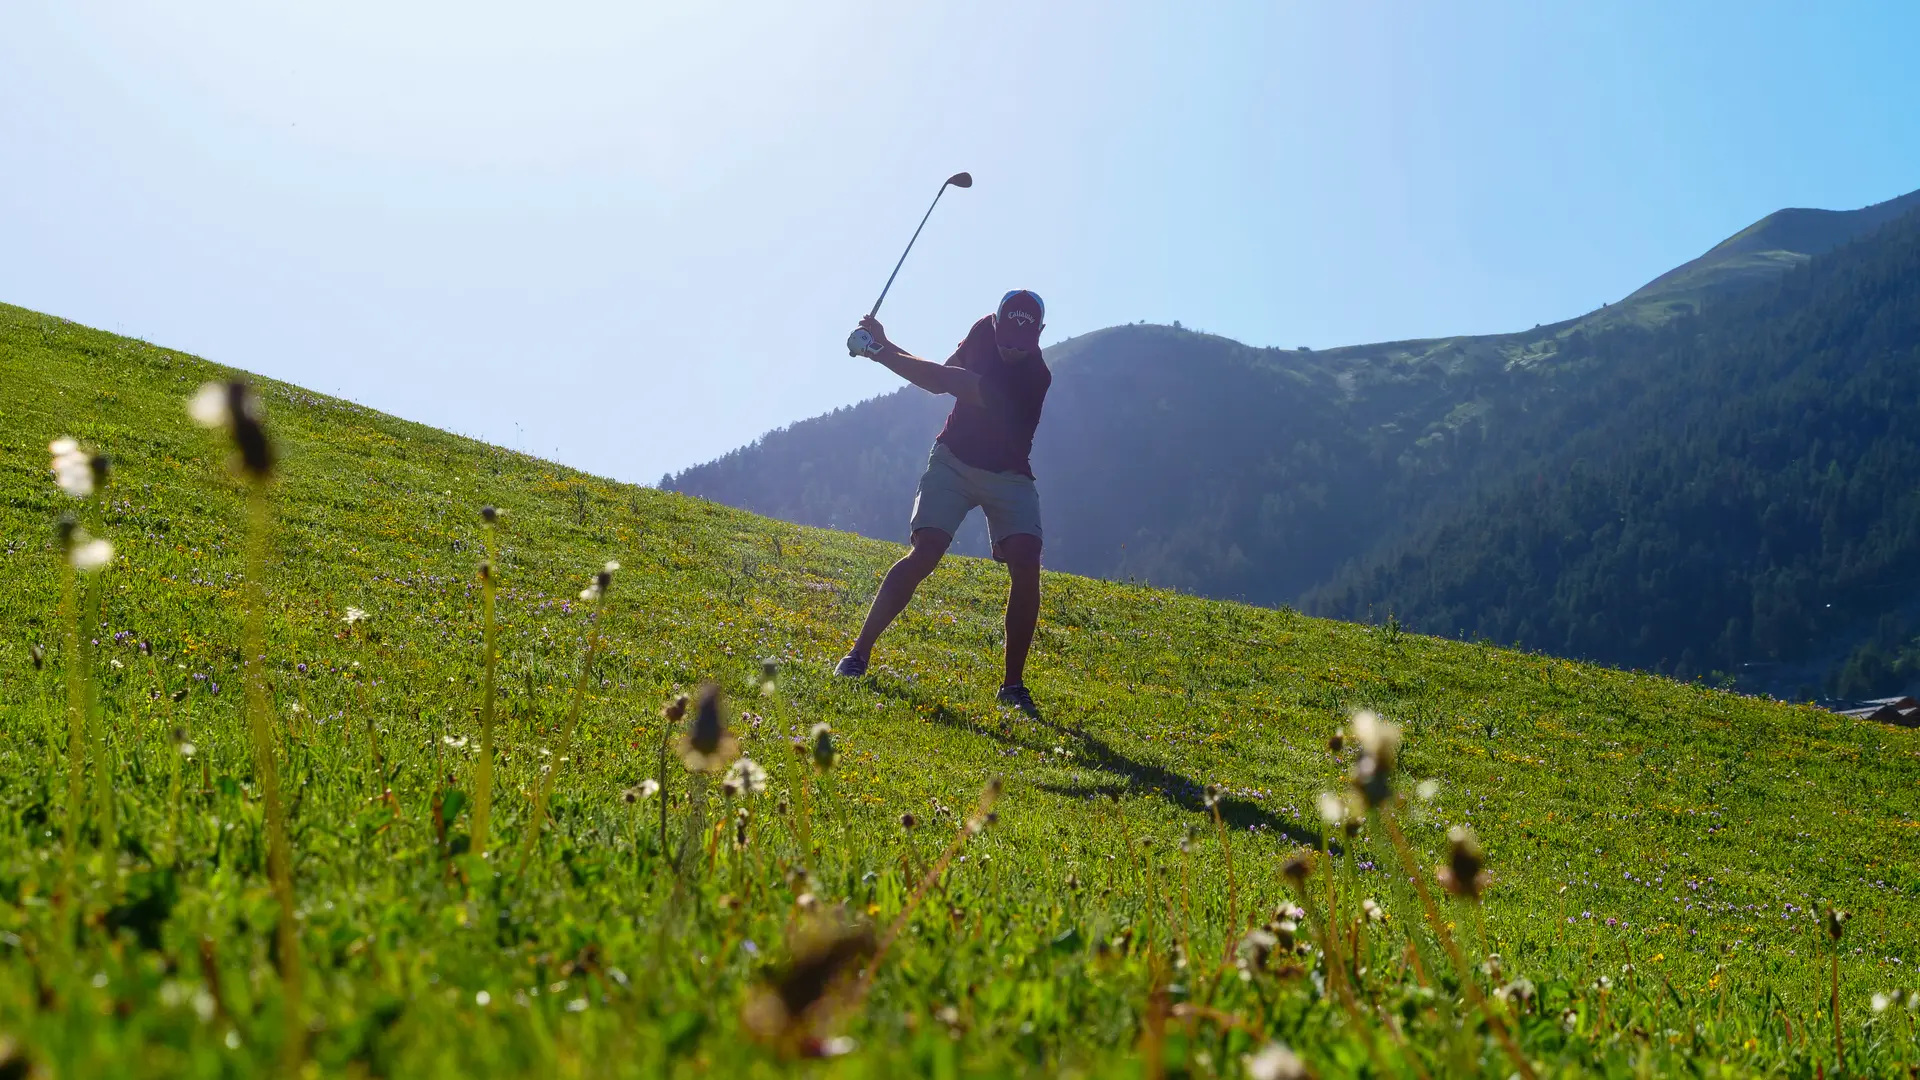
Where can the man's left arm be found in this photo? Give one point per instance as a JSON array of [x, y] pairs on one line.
[[925, 374]]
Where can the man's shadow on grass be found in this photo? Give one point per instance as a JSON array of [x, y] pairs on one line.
[[1131, 775]]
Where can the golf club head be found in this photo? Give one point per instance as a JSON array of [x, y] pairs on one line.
[[961, 179]]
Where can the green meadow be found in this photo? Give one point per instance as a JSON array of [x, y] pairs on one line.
[[1660, 858]]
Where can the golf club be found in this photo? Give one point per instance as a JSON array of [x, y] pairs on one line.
[[861, 343]]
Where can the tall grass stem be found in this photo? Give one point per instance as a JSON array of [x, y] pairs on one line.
[[266, 771], [76, 720], [103, 772], [483, 772], [1411, 865], [560, 748]]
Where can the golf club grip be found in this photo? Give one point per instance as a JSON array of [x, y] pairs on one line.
[[903, 255]]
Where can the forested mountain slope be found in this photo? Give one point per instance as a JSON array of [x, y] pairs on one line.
[[1739, 490]]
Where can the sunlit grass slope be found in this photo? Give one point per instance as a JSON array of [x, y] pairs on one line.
[[1656, 850]]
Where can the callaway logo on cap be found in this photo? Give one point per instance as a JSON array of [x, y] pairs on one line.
[[1016, 325]]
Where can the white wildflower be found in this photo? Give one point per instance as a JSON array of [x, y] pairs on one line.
[[1378, 738], [354, 615], [89, 555], [1274, 1062], [746, 776], [72, 467], [211, 406]]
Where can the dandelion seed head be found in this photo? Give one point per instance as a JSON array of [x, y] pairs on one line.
[[1372, 910], [747, 777], [908, 821], [90, 554], [1333, 809], [1519, 993], [791, 1009], [1464, 874], [1377, 738], [1212, 794], [72, 468], [233, 406], [1274, 1062], [823, 749], [490, 514], [1428, 789], [354, 615], [1836, 922], [1298, 867], [208, 406], [1254, 948], [1284, 932], [1379, 743], [707, 744]]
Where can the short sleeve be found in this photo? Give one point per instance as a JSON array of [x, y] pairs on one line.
[[979, 336]]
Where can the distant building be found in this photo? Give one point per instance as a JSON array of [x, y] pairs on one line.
[[1904, 711]]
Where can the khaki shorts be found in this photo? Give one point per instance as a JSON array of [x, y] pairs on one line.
[[951, 487]]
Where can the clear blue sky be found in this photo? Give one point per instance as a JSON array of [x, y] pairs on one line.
[[631, 236]]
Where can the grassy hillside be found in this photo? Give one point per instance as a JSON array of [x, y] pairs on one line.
[[1766, 249], [1655, 850]]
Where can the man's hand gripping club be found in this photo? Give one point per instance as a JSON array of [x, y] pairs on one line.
[[928, 376]]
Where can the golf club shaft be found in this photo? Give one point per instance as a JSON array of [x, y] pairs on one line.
[[903, 255]]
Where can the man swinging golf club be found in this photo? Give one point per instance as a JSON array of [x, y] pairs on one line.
[[998, 382]]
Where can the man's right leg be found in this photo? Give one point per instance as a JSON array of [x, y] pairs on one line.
[[905, 576]]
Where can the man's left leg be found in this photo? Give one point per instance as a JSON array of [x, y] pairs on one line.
[[1021, 553]]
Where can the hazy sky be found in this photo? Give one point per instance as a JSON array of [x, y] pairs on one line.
[[631, 236]]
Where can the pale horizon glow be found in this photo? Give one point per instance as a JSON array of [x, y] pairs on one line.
[[631, 237]]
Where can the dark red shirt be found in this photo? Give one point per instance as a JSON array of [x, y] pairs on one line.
[[997, 435]]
